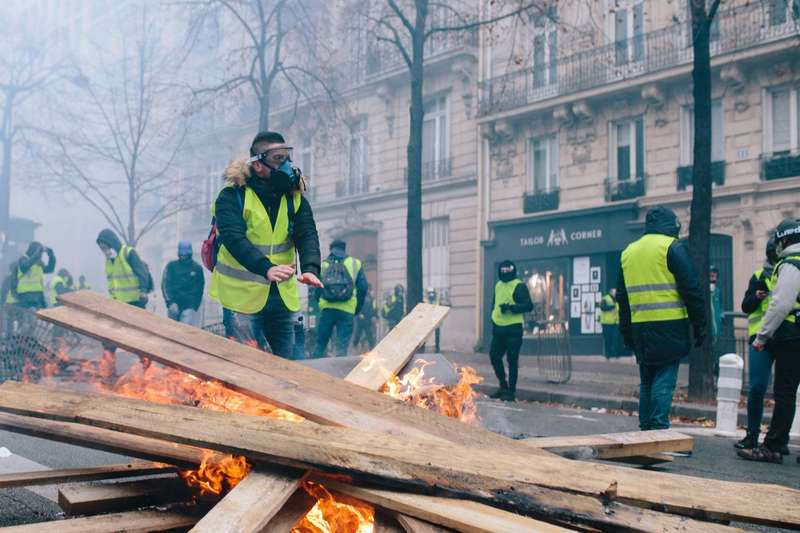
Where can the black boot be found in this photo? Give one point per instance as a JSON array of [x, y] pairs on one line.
[[749, 442], [499, 393], [509, 396], [785, 450]]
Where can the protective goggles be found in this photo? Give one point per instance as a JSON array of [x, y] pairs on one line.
[[274, 157]]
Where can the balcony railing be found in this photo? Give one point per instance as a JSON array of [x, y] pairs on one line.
[[433, 170], [686, 175], [779, 166], [352, 186], [624, 189], [383, 56], [736, 29], [540, 201]]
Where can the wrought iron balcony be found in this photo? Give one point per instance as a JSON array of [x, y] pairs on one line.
[[352, 186], [779, 166], [686, 175], [540, 201], [383, 57], [736, 29], [433, 170], [618, 189]]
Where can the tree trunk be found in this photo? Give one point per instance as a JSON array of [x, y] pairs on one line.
[[701, 360], [414, 162]]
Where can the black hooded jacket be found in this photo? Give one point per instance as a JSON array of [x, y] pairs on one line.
[[664, 342], [110, 239]]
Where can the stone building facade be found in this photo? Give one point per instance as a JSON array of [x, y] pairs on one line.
[[586, 121]]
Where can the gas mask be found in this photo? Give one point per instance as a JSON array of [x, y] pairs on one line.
[[285, 178]]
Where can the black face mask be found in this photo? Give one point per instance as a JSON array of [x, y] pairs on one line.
[[506, 272], [285, 178]]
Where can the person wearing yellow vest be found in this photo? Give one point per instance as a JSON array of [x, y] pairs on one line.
[[659, 297], [263, 223], [127, 276], [340, 300], [511, 300], [28, 285], [780, 332], [759, 367], [609, 319], [60, 284], [394, 307]]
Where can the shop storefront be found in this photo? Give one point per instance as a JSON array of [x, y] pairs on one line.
[[568, 261]]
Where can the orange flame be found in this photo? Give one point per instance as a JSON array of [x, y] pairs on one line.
[[338, 514], [218, 473], [454, 401]]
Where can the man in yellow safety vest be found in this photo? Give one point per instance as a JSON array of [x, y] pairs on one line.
[[127, 276], [341, 298], [28, 287], [264, 222], [609, 319], [659, 297]]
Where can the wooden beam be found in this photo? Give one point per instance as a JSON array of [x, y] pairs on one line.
[[296, 508], [506, 478], [615, 445], [86, 499], [415, 525], [130, 522], [104, 439], [72, 475]]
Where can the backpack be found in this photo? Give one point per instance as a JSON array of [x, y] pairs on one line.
[[210, 247], [337, 281]]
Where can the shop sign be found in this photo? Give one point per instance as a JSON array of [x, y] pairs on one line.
[[558, 237]]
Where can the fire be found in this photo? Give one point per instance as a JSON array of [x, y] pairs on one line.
[[217, 474], [338, 514], [454, 401]]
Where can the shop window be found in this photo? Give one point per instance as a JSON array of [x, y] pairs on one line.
[[436, 256], [547, 285]]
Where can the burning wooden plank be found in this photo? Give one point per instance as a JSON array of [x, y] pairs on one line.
[[507, 478], [72, 475]]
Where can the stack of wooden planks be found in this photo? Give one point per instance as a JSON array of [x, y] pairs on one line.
[[428, 472]]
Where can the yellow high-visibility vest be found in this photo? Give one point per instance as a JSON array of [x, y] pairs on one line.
[[240, 290], [353, 266], [53, 294], [612, 315], [30, 281], [652, 288], [755, 318], [123, 284], [504, 294]]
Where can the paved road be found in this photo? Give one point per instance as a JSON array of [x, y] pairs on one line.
[[713, 456]]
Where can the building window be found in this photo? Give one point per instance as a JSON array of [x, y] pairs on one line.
[[436, 256], [627, 149], [305, 160], [627, 30], [781, 11], [545, 47], [543, 164], [357, 173], [783, 127], [435, 136], [687, 134]]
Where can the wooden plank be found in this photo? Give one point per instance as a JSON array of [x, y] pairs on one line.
[[130, 522], [253, 503], [506, 478], [235, 513], [415, 525], [394, 351], [86, 499], [72, 475], [104, 439], [296, 508], [612, 445], [471, 517]]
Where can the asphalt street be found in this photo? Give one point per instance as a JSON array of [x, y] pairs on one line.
[[713, 456]]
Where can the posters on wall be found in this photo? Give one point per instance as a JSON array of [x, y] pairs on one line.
[[580, 270], [585, 295]]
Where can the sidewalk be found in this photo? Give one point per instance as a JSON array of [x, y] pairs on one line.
[[595, 382]]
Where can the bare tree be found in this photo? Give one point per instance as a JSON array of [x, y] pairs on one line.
[[701, 360], [123, 128], [408, 26], [280, 54]]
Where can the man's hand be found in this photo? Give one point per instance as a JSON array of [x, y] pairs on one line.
[[173, 308], [761, 294], [280, 273], [505, 308], [307, 278], [758, 346]]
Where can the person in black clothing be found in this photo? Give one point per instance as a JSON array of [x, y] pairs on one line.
[[274, 324], [395, 307], [182, 286], [510, 301], [365, 322]]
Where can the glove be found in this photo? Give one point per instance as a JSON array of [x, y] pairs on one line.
[[699, 339], [505, 308], [173, 308]]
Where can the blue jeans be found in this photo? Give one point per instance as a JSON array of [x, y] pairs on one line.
[[187, 316], [329, 319], [271, 326], [759, 373], [655, 394]]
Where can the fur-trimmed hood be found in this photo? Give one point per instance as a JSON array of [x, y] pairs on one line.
[[238, 172]]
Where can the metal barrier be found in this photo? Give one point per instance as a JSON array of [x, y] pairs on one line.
[[553, 356], [23, 337]]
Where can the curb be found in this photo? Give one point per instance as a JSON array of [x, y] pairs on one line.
[[585, 401]]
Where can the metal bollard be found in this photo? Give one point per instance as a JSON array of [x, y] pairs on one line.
[[795, 431], [729, 390]]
